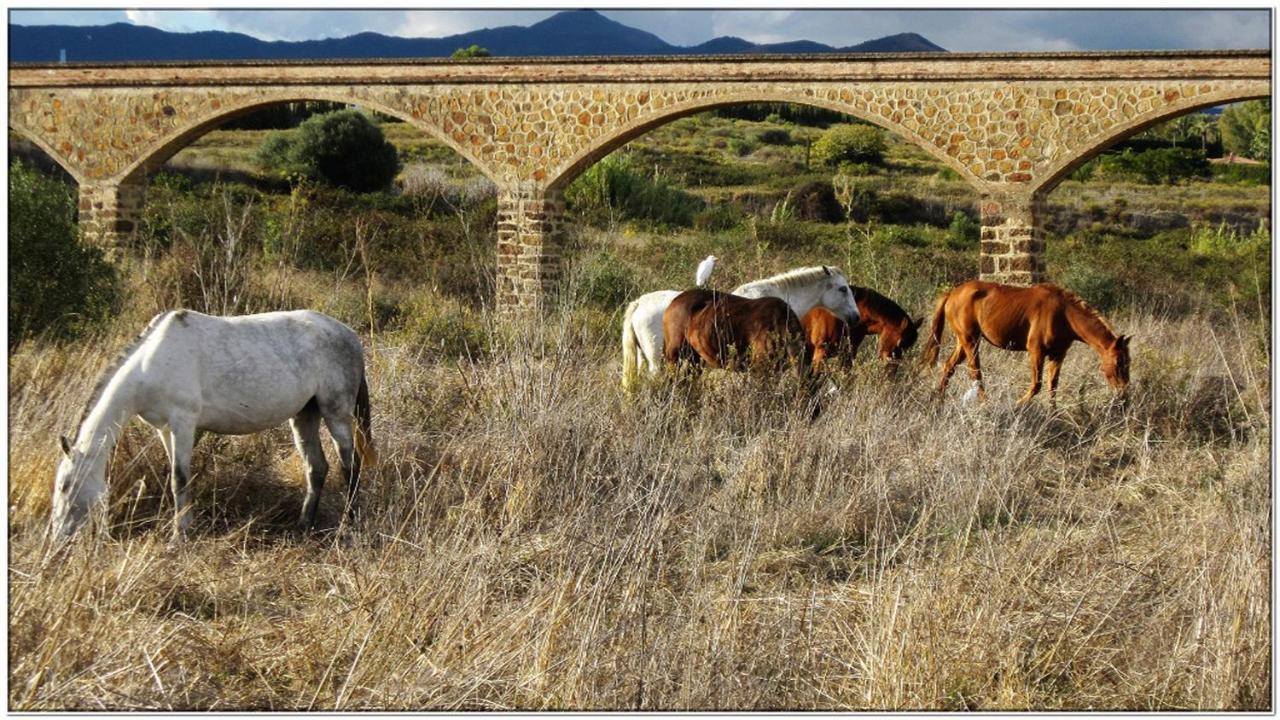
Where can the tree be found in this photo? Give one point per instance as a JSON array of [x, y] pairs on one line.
[[475, 51], [344, 149], [1239, 123], [1204, 127], [56, 282], [850, 144]]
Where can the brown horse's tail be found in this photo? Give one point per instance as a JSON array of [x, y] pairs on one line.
[[931, 343], [364, 425]]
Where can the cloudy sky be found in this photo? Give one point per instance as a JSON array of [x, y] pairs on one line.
[[956, 30]]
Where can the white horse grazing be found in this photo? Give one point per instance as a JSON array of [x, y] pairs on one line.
[[189, 373], [801, 288]]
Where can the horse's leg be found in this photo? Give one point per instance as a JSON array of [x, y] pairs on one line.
[[306, 437], [1055, 364], [340, 428], [949, 367], [1037, 364], [970, 347], [181, 441]]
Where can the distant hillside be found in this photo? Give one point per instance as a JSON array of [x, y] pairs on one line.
[[574, 32]]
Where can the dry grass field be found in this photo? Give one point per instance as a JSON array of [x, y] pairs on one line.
[[533, 539]]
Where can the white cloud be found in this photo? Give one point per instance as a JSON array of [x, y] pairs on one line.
[[175, 20]]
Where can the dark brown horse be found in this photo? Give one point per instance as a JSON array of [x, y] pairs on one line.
[[829, 335], [727, 330], [1042, 320]]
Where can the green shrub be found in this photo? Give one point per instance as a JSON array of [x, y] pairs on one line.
[[850, 143], [57, 283], [721, 216], [604, 281], [741, 146], [773, 136], [963, 231], [1099, 287], [615, 189], [1248, 175], [475, 51], [1156, 166], [344, 149]]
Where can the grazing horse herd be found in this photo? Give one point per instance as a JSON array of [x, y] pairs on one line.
[[189, 373]]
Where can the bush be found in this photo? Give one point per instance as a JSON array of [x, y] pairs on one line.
[[1250, 175], [615, 188], [1100, 288], [773, 136], [850, 143], [963, 231], [604, 281], [57, 283], [344, 149], [741, 147], [1159, 166], [475, 51]]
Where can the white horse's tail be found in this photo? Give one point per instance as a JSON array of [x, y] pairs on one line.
[[364, 425], [630, 346]]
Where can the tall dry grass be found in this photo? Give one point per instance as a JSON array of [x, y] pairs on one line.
[[532, 539]]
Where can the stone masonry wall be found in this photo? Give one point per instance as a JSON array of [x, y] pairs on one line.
[[1004, 123], [529, 222], [109, 213], [1012, 239]]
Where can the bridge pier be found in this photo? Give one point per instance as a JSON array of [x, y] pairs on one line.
[[1012, 238], [529, 220], [110, 213]]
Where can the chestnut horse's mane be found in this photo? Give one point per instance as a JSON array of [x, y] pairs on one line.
[[1086, 307]]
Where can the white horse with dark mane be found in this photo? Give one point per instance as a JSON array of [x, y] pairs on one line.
[[188, 373], [801, 288]]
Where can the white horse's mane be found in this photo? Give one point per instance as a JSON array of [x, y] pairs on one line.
[[795, 277], [114, 366]]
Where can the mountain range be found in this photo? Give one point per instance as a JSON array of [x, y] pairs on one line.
[[573, 32]]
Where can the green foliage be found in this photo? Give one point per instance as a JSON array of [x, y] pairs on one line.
[[850, 143], [742, 146], [963, 231], [1158, 166], [343, 149], [1247, 175], [1241, 123], [56, 282], [773, 136], [1227, 241], [615, 189], [604, 281], [717, 217], [475, 51], [809, 115], [1099, 287]]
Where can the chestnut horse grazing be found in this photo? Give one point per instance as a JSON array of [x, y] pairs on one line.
[[1042, 319], [829, 335], [725, 330]]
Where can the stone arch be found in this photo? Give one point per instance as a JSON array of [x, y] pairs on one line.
[[153, 157], [1058, 171], [621, 135], [36, 139]]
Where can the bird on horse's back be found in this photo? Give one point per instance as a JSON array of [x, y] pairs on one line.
[[1042, 320]]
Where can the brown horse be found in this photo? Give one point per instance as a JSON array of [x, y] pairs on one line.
[[829, 335], [724, 330], [1042, 319]]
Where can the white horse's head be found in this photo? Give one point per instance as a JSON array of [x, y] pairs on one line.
[[806, 288], [79, 482], [837, 296]]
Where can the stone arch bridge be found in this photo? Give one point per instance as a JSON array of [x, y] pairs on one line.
[[1012, 125]]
